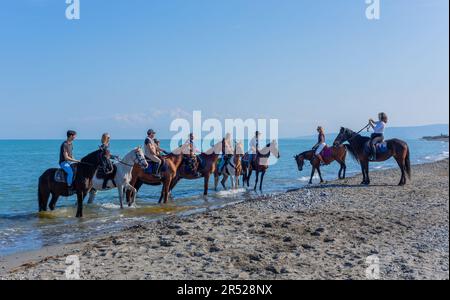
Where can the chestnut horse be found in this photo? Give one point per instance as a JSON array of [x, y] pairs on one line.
[[337, 153], [207, 166], [82, 182], [260, 165], [171, 163], [358, 148]]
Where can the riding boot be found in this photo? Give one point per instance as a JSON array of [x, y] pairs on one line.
[[373, 155], [105, 184], [320, 158], [158, 170]]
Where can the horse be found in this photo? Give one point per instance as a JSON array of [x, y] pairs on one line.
[[207, 166], [120, 178], [260, 165], [82, 183], [335, 153], [233, 169], [359, 149], [171, 164]]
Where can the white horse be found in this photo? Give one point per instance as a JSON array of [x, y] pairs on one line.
[[122, 176], [232, 170]]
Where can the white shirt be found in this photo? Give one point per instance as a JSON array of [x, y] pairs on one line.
[[379, 127], [252, 146]]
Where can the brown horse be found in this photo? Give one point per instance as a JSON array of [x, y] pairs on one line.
[[81, 185], [260, 164], [171, 163], [207, 167], [359, 149], [337, 153]]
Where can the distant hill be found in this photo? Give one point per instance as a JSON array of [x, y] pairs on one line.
[[407, 132]]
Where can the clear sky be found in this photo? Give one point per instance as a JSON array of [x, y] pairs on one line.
[[127, 66]]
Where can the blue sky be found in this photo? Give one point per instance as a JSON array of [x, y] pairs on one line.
[[127, 66]]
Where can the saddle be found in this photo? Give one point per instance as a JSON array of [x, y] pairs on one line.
[[153, 167], [381, 148], [192, 164], [61, 175], [327, 152]]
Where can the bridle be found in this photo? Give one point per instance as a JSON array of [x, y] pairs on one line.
[[355, 134], [138, 160]]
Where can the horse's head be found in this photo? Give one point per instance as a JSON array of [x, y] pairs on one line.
[[139, 158], [344, 135], [300, 159], [99, 158]]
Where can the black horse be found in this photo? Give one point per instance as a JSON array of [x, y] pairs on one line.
[[82, 182], [359, 149]]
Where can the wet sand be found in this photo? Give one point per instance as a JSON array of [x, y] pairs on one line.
[[318, 232]]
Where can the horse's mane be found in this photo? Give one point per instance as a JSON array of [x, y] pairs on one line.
[[359, 142], [90, 157]]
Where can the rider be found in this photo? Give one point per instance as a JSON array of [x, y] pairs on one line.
[[151, 151], [321, 144], [159, 150], [254, 147], [66, 157], [106, 138], [378, 133], [227, 151], [191, 151]]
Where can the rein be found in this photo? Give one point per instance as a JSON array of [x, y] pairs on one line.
[[354, 135]]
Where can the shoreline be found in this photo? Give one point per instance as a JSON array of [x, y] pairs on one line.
[[278, 227]]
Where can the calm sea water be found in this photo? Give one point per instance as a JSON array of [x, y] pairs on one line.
[[22, 162]]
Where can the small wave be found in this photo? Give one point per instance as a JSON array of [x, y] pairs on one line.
[[306, 178], [110, 206], [231, 192]]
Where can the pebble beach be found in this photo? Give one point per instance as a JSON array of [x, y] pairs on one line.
[[329, 231]]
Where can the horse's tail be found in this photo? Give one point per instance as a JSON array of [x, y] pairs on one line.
[[351, 151], [41, 200], [408, 164]]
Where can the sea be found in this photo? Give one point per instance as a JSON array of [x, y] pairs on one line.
[[23, 229]]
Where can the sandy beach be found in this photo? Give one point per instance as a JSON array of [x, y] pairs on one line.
[[318, 232]]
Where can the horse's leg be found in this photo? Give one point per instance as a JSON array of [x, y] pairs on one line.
[[262, 178], [224, 180], [313, 171], [401, 164], [216, 181], [80, 197], [129, 187], [320, 175], [120, 189], [92, 194], [366, 171], [53, 201], [43, 196], [166, 188], [257, 179], [363, 171], [206, 185]]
